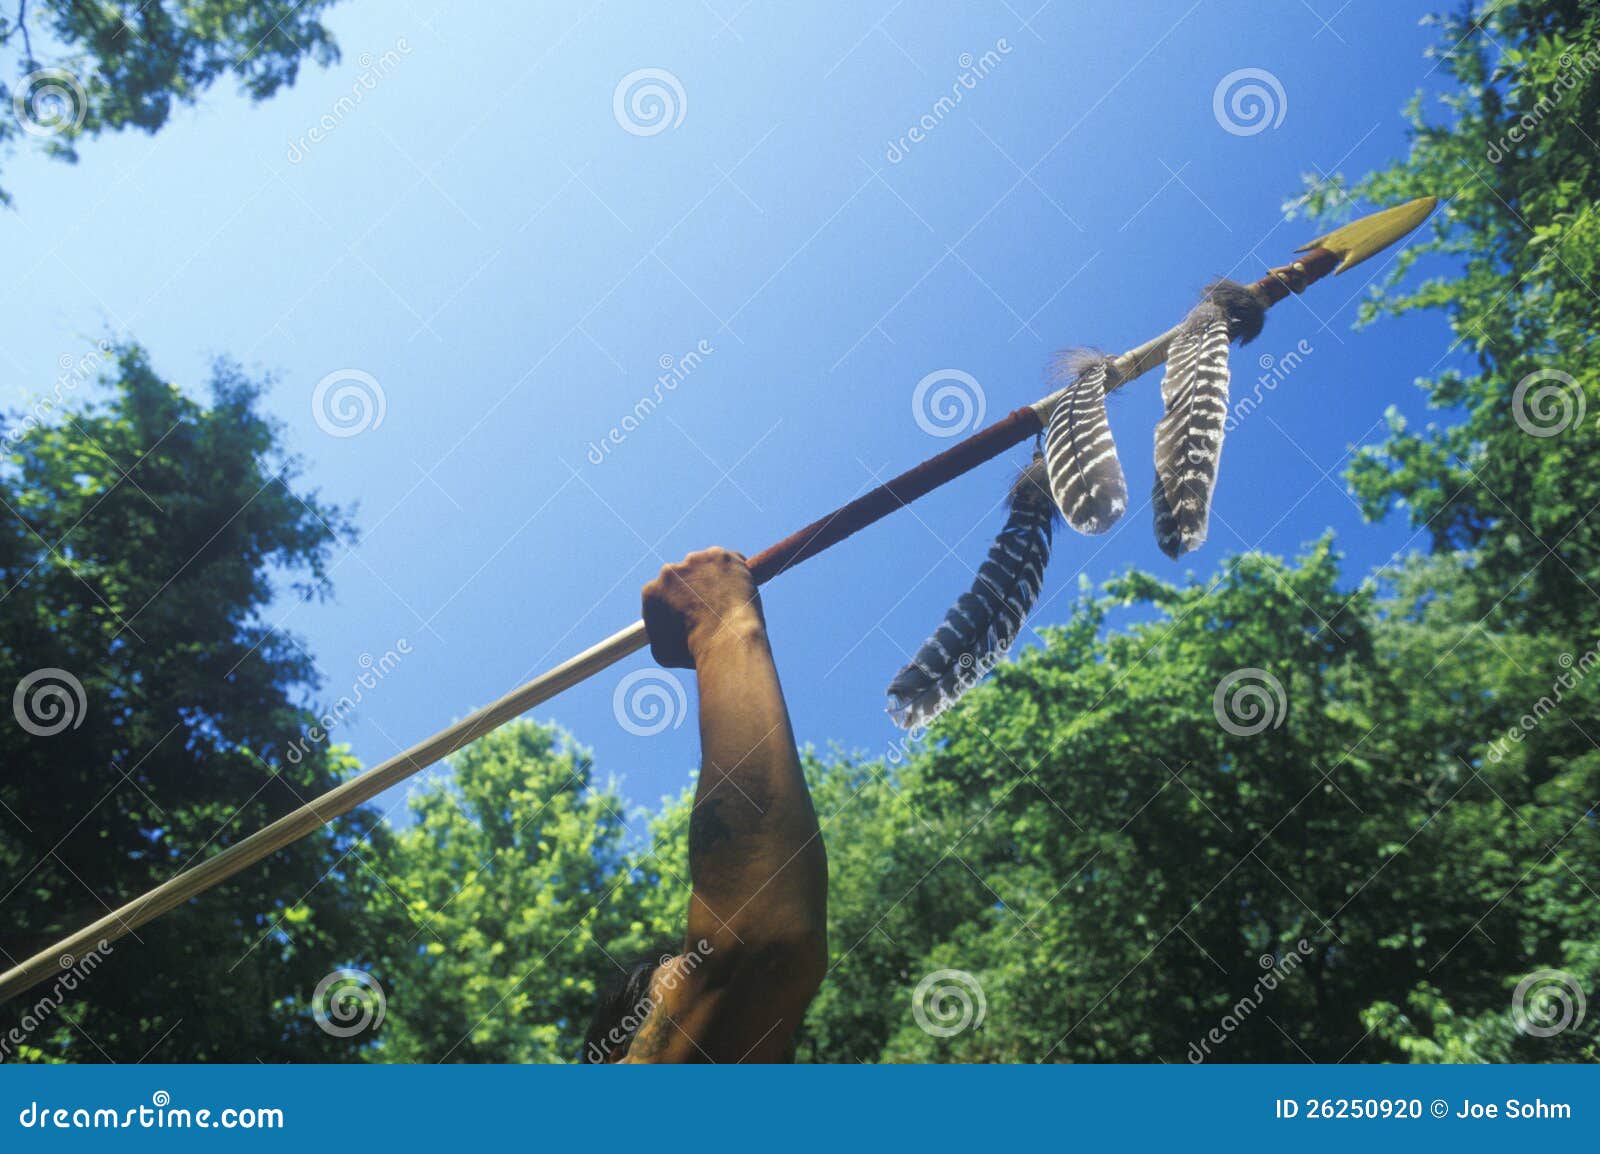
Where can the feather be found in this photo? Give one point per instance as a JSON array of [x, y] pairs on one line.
[[1085, 475], [980, 627], [1195, 394]]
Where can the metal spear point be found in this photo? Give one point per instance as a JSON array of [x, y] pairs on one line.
[[1341, 249], [1337, 251]]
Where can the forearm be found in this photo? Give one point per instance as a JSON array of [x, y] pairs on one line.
[[756, 860], [756, 947]]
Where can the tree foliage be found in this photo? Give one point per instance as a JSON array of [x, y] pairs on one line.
[[83, 67], [141, 534], [520, 905], [1509, 484], [1513, 157], [1118, 870], [1286, 815]]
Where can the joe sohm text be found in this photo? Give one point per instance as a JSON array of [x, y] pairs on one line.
[[1511, 1110]]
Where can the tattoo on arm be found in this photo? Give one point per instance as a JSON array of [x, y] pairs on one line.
[[652, 1036]]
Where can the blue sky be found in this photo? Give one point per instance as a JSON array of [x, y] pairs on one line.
[[484, 237]]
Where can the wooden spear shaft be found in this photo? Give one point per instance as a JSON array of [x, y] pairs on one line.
[[1335, 252]]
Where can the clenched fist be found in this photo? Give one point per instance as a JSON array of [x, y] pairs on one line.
[[706, 599]]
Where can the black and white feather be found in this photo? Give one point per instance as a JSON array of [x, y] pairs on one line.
[[981, 626], [1085, 476], [1195, 394]]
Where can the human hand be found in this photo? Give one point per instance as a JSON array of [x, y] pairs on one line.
[[706, 599]]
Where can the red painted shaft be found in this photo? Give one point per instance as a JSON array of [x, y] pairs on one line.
[[891, 495]]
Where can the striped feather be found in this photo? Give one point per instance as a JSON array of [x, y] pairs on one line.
[[981, 626], [1195, 393], [1085, 476]]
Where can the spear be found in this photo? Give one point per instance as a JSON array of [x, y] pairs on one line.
[[1335, 252]]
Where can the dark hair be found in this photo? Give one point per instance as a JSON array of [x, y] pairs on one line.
[[621, 1012]]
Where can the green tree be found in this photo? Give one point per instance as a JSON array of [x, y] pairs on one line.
[[143, 537], [521, 904], [1423, 818], [1282, 818], [1110, 851], [897, 884], [83, 67], [1509, 483], [1086, 848], [1286, 816], [1514, 158]]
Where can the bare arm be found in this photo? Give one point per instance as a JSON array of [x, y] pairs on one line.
[[756, 947]]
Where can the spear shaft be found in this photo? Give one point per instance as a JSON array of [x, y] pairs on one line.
[[1334, 252]]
